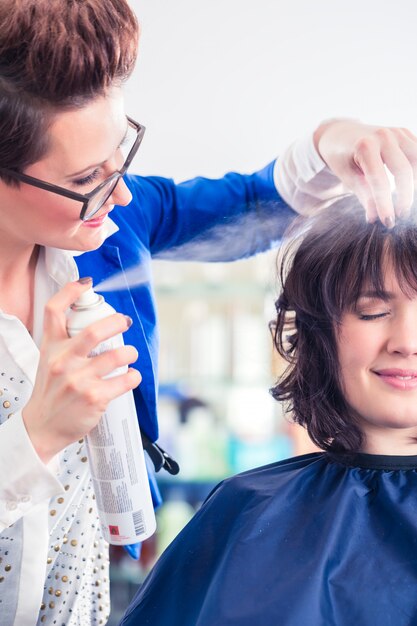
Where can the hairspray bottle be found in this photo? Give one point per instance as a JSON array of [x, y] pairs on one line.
[[114, 446]]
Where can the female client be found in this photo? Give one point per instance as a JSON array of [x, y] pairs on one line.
[[329, 537]]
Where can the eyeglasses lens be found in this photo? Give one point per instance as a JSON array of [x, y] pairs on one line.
[[97, 201]]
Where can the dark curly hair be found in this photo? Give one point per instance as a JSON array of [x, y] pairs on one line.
[[324, 268], [57, 55]]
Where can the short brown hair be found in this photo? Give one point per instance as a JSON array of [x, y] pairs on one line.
[[322, 277], [56, 55]]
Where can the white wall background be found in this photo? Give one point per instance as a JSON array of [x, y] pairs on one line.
[[227, 84]]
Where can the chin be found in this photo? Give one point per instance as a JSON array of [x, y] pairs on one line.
[[396, 421], [90, 247], [87, 244], [76, 246]]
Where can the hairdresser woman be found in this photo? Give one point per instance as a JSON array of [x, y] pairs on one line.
[[65, 141]]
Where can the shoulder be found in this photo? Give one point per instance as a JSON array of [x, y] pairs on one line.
[[264, 481], [285, 466]]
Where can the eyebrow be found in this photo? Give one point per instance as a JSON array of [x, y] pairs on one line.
[[94, 166]]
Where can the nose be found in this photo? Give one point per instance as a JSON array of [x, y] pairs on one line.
[[403, 335], [120, 194]]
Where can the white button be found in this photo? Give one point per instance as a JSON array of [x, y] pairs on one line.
[[11, 506], [25, 499]]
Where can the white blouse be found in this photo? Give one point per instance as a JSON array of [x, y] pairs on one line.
[[53, 558]]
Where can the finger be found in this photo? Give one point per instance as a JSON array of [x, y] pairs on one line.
[[409, 147], [371, 211], [409, 134], [366, 199], [361, 189], [402, 170], [56, 307], [90, 337], [107, 362], [112, 388], [371, 164]]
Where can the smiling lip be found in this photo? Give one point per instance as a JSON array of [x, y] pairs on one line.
[[96, 222], [399, 378]]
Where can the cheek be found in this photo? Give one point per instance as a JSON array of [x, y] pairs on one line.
[[351, 379], [48, 207], [355, 351], [33, 196]]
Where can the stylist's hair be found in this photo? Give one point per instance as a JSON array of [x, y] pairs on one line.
[[322, 277], [57, 55]]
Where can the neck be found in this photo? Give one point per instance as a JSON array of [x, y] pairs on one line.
[[391, 442], [16, 264], [17, 283]]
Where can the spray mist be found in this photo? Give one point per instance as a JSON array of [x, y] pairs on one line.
[[114, 446]]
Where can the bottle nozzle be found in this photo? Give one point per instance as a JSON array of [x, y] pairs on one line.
[[88, 299]]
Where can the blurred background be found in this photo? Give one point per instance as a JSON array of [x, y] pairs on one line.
[[226, 85]]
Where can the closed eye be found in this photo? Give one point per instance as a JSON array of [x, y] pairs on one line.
[[373, 316], [87, 179]]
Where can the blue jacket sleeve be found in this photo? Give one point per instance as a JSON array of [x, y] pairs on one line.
[[200, 220], [208, 219]]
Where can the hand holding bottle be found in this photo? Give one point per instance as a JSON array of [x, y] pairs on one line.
[[70, 395]]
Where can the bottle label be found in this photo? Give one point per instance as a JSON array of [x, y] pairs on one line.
[[117, 464], [119, 474]]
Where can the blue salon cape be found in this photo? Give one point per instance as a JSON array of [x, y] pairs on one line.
[[198, 220], [316, 540]]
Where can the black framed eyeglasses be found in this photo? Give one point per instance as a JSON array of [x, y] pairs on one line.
[[93, 200]]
